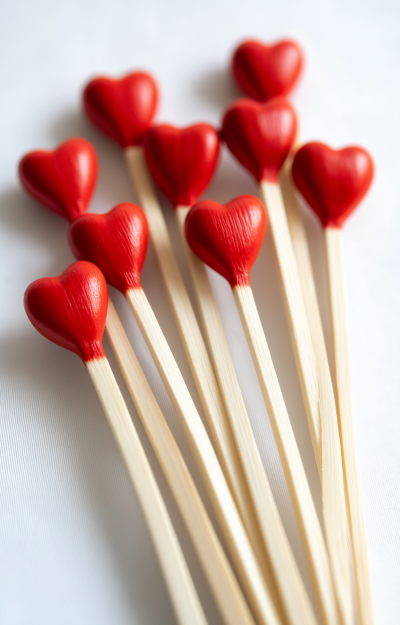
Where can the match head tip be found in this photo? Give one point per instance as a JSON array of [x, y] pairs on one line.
[[62, 179], [71, 309], [182, 161], [123, 108], [116, 242], [228, 237], [265, 71], [333, 182]]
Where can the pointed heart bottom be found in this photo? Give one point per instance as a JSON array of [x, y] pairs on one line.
[[116, 242], [228, 237], [182, 160], [260, 136], [71, 310], [333, 182], [63, 180], [264, 71]]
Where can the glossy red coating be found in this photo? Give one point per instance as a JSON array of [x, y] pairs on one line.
[[71, 310], [260, 135], [332, 181], [122, 108], [267, 71], [182, 160], [116, 242], [228, 237], [63, 179]]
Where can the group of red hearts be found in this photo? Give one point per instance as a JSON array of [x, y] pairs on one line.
[[260, 131]]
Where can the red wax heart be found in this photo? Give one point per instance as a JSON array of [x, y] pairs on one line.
[[71, 310], [116, 242], [263, 71], [182, 160], [122, 108], [64, 179], [260, 135], [332, 181], [228, 237]]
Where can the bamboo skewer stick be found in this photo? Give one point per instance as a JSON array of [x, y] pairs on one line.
[[237, 542], [288, 451], [71, 311], [299, 294], [176, 574], [330, 453], [263, 501], [334, 182], [222, 581], [195, 348], [333, 240], [295, 310]]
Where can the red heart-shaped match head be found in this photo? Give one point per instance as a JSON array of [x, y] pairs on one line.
[[122, 108], [182, 160], [265, 72], [116, 242], [332, 181], [63, 179], [228, 237], [71, 310], [260, 135]]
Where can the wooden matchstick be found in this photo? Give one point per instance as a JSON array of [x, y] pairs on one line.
[[119, 108], [71, 310], [270, 523], [116, 242], [228, 238], [330, 452], [333, 183], [261, 136]]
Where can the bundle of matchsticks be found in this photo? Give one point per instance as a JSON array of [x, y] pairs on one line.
[[257, 580]]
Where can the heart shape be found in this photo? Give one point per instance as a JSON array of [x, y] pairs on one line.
[[71, 310], [122, 108], [333, 182], [64, 179], [116, 242], [182, 160], [265, 72], [260, 135], [228, 237]]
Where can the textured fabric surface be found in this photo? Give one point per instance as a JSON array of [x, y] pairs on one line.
[[74, 547]]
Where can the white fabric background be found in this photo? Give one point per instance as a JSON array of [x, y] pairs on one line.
[[73, 544]]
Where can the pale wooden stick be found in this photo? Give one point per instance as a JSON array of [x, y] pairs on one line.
[[222, 581], [230, 522], [193, 343], [176, 574], [274, 536], [296, 479], [333, 498], [295, 310], [333, 240]]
